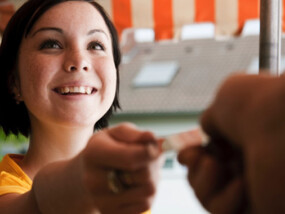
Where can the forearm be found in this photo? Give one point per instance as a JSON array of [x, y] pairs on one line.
[[58, 188]]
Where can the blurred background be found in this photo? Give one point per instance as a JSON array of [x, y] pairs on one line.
[[176, 53]]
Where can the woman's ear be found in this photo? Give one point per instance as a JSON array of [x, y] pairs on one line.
[[15, 89]]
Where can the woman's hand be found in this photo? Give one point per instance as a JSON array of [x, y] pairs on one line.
[[132, 153]]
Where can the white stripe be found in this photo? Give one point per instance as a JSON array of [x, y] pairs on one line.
[[108, 6], [142, 13], [183, 13], [18, 3], [226, 17]]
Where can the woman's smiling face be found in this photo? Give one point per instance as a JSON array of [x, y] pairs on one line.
[[66, 68]]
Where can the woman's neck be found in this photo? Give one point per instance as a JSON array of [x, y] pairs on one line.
[[49, 144]]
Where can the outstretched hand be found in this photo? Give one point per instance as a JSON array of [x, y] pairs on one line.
[[247, 115], [130, 153]]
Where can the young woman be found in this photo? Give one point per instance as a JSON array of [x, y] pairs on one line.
[[59, 82]]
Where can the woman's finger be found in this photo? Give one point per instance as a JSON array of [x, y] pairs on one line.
[[103, 151], [129, 133], [141, 176], [105, 181]]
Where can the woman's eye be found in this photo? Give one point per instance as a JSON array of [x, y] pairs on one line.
[[96, 46], [50, 44]]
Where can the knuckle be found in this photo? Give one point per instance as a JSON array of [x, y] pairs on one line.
[[127, 126]]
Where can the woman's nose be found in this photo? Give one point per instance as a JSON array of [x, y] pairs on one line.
[[75, 61]]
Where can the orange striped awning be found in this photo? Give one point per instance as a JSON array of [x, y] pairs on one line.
[[167, 17]]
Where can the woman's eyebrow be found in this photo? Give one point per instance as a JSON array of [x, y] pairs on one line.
[[61, 31], [97, 31], [47, 29]]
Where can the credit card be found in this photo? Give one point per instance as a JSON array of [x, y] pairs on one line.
[[176, 142]]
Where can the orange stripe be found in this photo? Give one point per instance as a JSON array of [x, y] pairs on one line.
[[248, 9], [122, 14], [205, 11], [163, 21]]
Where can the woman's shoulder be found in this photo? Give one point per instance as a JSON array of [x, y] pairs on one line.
[[12, 178]]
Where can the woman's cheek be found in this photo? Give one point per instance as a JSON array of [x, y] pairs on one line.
[[108, 76]]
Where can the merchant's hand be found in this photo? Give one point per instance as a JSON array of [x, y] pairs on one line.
[[247, 115]]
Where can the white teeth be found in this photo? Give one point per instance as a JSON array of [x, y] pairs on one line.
[[82, 89], [88, 90], [65, 90], [75, 89]]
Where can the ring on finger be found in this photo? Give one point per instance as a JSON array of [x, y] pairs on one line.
[[114, 183]]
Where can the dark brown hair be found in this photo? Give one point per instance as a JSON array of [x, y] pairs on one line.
[[14, 117]]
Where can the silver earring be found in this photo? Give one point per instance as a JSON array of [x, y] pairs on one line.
[[17, 98]]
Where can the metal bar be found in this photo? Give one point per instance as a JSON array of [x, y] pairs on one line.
[[270, 36]]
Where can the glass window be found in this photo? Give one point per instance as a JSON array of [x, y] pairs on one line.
[[156, 74]]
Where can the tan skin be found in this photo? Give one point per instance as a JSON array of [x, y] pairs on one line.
[[66, 161], [248, 111]]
